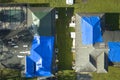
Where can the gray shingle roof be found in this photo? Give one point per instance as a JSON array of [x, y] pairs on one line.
[[87, 56], [46, 15]]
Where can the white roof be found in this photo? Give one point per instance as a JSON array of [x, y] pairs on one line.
[[73, 43], [69, 2], [19, 56], [72, 34], [71, 24], [24, 52]]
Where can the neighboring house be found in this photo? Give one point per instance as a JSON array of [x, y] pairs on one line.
[[97, 42], [40, 62], [15, 38], [90, 47], [27, 39]]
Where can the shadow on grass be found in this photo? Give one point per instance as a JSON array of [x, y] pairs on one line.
[[40, 5], [47, 24], [66, 75], [63, 37], [112, 21]]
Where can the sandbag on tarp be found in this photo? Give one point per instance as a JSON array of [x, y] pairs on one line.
[[114, 52], [91, 30], [39, 62]]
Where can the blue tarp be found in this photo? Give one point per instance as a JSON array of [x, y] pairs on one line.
[[114, 52], [91, 30], [39, 62]]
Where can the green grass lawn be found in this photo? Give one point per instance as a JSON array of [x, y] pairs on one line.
[[66, 75], [11, 74], [113, 74], [98, 6], [64, 43], [80, 6], [63, 40]]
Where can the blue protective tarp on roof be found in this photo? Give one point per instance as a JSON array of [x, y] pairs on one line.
[[91, 30], [39, 62], [114, 52]]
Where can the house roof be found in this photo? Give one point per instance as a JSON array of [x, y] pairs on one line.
[[102, 63], [84, 61], [40, 12], [39, 62], [15, 37], [46, 17], [109, 36], [13, 45], [16, 41], [90, 26]]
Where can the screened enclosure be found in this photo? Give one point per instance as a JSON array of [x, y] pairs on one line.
[[12, 15]]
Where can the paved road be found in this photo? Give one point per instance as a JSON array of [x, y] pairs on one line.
[[84, 77]]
